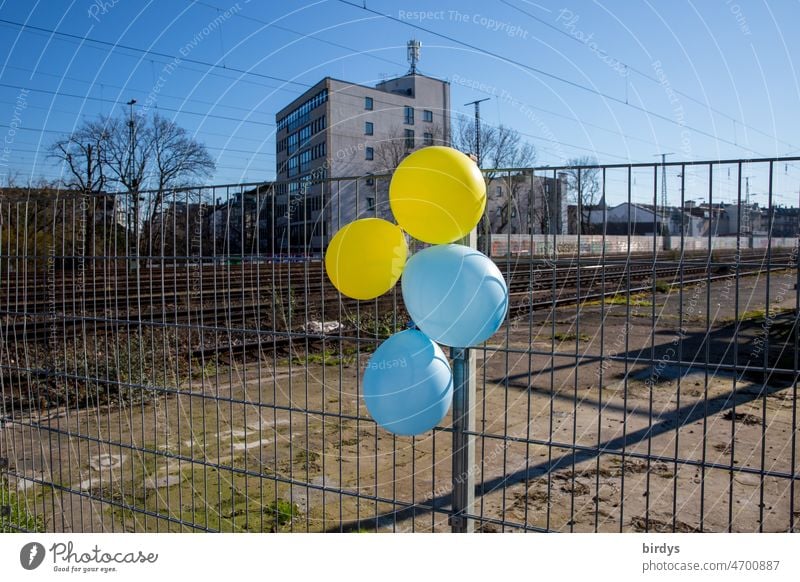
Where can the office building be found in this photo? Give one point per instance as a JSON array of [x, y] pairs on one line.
[[335, 137]]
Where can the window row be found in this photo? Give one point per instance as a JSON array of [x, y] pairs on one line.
[[305, 160], [292, 166], [410, 140], [297, 204], [300, 115], [302, 162], [318, 151], [318, 125], [427, 114], [297, 140], [408, 115]]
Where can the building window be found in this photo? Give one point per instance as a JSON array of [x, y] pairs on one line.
[[409, 133], [370, 203], [409, 115], [292, 142], [499, 190], [368, 128], [305, 160], [305, 135], [369, 154], [427, 116], [318, 124], [368, 103], [428, 138], [293, 166], [318, 151]]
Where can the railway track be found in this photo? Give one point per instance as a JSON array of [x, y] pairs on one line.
[[255, 302]]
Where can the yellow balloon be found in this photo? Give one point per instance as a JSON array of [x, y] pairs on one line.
[[366, 257], [437, 194]]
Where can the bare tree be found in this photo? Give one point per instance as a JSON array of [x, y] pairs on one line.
[[133, 154], [82, 156], [465, 139], [508, 150], [179, 160], [161, 155], [392, 150], [584, 189], [127, 166], [501, 146]]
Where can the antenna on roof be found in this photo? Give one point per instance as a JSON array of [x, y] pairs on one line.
[[413, 55]]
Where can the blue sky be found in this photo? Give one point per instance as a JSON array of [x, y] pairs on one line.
[[615, 80]]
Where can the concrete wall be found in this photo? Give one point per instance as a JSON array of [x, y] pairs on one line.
[[567, 245]]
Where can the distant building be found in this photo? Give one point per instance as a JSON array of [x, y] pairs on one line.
[[785, 222], [526, 204], [241, 224], [338, 129], [694, 220], [622, 219]]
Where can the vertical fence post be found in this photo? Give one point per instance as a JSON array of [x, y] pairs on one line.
[[463, 470]]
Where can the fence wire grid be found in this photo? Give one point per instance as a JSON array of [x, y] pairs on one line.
[[178, 360]]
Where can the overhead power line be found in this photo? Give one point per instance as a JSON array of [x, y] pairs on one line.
[[117, 45], [648, 76], [78, 38], [548, 74]]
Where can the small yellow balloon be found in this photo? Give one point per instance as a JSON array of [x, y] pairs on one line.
[[366, 258], [437, 195]]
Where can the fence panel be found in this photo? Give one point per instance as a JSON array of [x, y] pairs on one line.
[[179, 361]]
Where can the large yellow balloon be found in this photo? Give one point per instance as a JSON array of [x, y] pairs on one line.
[[366, 257], [437, 195]]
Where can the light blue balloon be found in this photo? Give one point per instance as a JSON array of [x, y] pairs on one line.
[[456, 295], [408, 384]]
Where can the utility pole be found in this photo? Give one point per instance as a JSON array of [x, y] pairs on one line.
[[477, 105], [664, 181], [464, 397], [748, 213], [664, 213], [685, 227], [133, 187]]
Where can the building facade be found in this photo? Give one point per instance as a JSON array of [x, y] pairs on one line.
[[526, 204], [334, 137]]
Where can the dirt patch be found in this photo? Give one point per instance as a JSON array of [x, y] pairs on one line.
[[742, 417], [652, 525]]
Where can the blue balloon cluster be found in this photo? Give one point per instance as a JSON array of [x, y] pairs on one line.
[[456, 296], [408, 384]]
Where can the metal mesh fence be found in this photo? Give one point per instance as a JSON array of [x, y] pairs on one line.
[[178, 360]]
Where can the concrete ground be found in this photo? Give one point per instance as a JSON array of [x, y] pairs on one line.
[[287, 444]]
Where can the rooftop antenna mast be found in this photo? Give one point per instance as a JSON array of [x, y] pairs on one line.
[[414, 47]]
